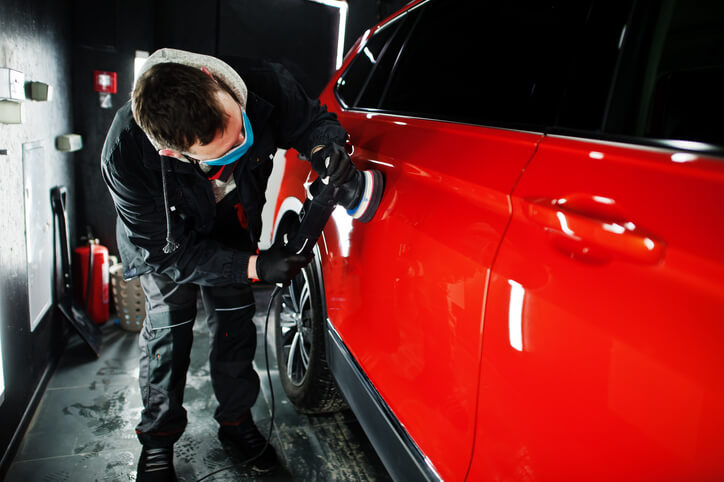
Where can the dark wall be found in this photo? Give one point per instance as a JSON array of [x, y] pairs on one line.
[[300, 35], [106, 36], [187, 25], [35, 38]]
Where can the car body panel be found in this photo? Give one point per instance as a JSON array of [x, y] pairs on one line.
[[598, 359], [406, 291]]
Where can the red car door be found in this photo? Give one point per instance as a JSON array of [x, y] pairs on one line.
[[604, 334], [406, 291]]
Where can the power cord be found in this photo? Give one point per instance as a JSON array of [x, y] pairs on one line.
[[276, 291]]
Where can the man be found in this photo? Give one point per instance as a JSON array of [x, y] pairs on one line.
[[187, 163]]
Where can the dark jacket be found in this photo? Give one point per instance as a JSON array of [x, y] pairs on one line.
[[281, 116]]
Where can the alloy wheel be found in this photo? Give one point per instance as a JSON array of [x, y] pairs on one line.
[[295, 321]]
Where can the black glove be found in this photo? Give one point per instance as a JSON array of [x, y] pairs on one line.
[[332, 161], [276, 265]]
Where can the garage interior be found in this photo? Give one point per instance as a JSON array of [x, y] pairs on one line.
[[66, 414]]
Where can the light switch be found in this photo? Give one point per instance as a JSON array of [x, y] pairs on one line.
[[12, 84]]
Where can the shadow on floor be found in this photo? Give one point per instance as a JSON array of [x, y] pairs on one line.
[[83, 429]]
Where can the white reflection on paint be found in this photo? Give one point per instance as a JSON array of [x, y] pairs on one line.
[[564, 223], [614, 228], [343, 221], [595, 155], [381, 163], [683, 157], [515, 315], [603, 200], [649, 244]]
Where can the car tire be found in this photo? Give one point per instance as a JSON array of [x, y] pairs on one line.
[[300, 345]]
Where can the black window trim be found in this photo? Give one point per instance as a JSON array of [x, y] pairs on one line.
[[383, 26], [678, 145], [372, 71], [403, 47]]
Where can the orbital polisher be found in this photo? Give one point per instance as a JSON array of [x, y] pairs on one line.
[[360, 195]]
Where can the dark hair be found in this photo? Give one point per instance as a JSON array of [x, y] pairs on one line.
[[177, 105]]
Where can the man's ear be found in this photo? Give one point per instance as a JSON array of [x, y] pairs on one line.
[[170, 153], [206, 71]]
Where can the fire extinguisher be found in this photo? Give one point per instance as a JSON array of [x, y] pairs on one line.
[[91, 279]]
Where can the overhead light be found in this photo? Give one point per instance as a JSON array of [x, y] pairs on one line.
[[138, 61], [343, 7]]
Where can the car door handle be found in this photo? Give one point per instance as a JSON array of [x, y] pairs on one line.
[[590, 231]]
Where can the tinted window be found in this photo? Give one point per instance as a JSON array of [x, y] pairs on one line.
[[355, 77], [686, 79], [489, 62], [374, 89], [594, 57], [670, 86]]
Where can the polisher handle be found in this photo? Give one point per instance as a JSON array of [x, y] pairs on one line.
[[315, 213]]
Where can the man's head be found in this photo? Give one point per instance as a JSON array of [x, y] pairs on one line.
[[186, 109]]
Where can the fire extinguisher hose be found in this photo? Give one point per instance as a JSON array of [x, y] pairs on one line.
[[89, 283]]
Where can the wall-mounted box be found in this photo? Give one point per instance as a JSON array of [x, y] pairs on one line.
[[12, 112], [40, 91], [12, 84], [69, 142]]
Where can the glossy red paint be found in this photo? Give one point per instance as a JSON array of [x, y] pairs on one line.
[[534, 308], [616, 366], [406, 291], [604, 330]]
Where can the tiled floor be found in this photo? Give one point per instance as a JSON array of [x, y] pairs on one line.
[[83, 429]]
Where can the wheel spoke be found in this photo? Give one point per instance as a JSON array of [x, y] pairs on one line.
[[286, 325], [303, 352], [304, 295], [293, 297], [292, 353], [295, 324]]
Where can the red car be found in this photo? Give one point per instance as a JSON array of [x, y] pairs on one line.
[[540, 295]]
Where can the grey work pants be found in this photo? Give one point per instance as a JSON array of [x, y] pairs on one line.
[[165, 343]]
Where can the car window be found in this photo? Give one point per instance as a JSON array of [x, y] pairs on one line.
[[594, 57], [352, 83], [362, 84], [675, 75], [374, 90], [489, 62]]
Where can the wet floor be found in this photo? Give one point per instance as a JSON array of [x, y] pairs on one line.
[[83, 429]]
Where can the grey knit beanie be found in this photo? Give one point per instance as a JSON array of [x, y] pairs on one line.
[[218, 68]]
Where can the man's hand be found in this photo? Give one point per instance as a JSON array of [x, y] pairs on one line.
[[276, 265], [333, 162]]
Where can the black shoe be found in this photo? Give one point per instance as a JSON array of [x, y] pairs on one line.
[[156, 465], [249, 445]]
